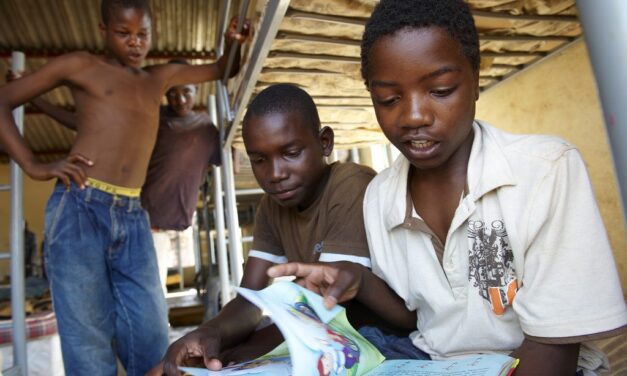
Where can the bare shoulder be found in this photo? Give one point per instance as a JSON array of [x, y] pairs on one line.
[[68, 67], [77, 59], [162, 70]]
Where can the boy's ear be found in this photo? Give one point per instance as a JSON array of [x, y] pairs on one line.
[[477, 88], [103, 28], [326, 140]]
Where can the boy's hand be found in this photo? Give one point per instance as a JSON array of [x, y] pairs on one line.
[[337, 282], [66, 170], [231, 33], [197, 348]]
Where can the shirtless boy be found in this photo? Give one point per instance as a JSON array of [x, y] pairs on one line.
[[99, 254]]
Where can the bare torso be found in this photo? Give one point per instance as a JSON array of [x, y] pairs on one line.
[[117, 110]]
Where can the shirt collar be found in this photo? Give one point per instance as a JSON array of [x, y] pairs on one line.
[[488, 166], [488, 169]]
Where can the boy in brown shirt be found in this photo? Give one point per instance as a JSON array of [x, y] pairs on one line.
[[311, 212]]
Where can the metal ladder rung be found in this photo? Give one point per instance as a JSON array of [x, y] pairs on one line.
[[5, 255], [5, 187]]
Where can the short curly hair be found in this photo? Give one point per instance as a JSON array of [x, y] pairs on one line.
[[390, 16], [283, 99], [107, 7]]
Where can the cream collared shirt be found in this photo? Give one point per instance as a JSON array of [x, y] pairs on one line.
[[526, 253]]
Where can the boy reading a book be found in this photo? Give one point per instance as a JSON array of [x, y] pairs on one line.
[[495, 239], [99, 254], [311, 212]]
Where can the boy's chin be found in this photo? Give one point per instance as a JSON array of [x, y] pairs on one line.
[[285, 203]]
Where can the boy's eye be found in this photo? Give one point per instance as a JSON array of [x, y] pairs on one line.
[[256, 159], [442, 92], [386, 101], [292, 153]]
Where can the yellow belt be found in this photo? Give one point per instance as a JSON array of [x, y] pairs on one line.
[[114, 189]]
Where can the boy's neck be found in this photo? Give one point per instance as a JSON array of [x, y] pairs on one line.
[[112, 60], [324, 180]]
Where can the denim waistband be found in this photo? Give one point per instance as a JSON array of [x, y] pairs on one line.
[[89, 194]]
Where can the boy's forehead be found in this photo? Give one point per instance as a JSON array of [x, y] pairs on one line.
[[435, 40], [121, 14], [292, 122], [190, 87]]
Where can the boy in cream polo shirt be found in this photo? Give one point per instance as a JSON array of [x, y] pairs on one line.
[[494, 239]]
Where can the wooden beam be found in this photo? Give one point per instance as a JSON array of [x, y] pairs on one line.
[[332, 58], [476, 13], [49, 54], [525, 17], [291, 13], [482, 37], [318, 39], [298, 71]]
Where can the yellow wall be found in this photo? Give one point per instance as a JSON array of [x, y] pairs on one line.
[[558, 96], [35, 196]]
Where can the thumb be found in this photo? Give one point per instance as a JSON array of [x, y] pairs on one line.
[[329, 301], [212, 363], [342, 287], [210, 354]]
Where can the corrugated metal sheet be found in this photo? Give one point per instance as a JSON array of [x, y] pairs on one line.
[[44, 29], [317, 48]]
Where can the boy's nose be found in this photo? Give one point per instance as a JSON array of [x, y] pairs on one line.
[[417, 112], [178, 100], [133, 40], [278, 172]]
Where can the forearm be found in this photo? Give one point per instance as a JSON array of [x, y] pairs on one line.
[[63, 116], [12, 141], [539, 359], [381, 299], [235, 322], [223, 60]]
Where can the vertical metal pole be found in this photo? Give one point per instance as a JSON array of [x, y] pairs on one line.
[[605, 29], [196, 243], [224, 8], [18, 313], [179, 258], [355, 155], [235, 243], [240, 25], [218, 213]]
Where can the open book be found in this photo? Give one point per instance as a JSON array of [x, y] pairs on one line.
[[322, 342]]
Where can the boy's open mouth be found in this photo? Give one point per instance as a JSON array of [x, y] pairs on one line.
[[422, 144]]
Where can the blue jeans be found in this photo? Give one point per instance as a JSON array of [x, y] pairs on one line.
[[391, 346], [103, 274]]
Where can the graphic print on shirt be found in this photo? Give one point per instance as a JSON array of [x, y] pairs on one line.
[[491, 264], [317, 250]]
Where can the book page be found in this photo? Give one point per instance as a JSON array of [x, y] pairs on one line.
[[479, 365], [321, 342]]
